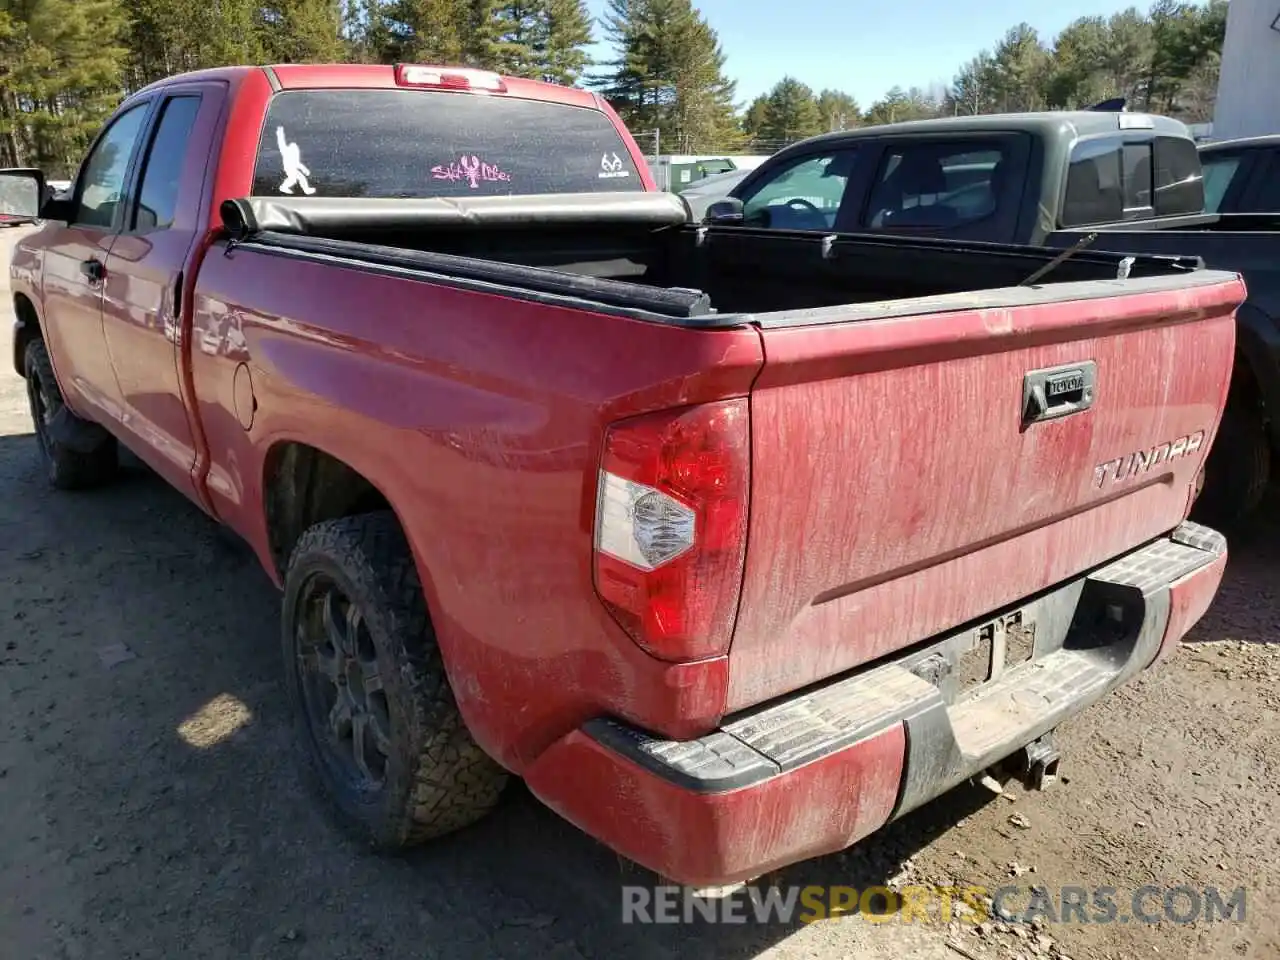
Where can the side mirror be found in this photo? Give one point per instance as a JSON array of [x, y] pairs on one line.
[[726, 212], [22, 194]]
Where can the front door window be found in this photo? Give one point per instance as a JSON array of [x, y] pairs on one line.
[[806, 195]]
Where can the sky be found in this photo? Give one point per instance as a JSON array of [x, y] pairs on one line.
[[864, 47]]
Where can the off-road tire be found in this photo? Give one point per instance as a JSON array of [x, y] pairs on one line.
[[66, 469], [1237, 471], [436, 778]]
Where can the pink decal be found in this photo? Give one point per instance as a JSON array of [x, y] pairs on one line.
[[473, 170]]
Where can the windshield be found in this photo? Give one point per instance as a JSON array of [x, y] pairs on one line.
[[419, 144]]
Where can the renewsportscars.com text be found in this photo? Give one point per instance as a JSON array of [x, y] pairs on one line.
[[933, 904]]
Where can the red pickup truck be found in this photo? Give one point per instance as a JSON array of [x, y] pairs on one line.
[[735, 544]]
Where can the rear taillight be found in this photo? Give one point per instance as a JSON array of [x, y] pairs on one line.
[[671, 527]]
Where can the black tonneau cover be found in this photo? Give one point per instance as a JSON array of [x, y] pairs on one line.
[[315, 216], [705, 275]]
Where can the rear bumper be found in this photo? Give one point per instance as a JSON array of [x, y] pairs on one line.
[[817, 771]]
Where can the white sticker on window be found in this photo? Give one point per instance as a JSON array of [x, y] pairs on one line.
[[611, 167], [296, 172]]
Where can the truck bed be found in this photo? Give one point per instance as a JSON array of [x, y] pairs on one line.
[[637, 253], [901, 481]]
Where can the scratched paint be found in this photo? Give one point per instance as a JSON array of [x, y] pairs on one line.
[[488, 459], [905, 497], [708, 839]]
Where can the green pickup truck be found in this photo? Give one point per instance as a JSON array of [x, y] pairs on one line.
[[1123, 182]]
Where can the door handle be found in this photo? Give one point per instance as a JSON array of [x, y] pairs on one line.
[[94, 270], [1058, 391]]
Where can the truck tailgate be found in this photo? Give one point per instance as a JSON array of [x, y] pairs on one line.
[[918, 465]]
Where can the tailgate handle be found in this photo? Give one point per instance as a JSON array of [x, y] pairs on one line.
[[1058, 391]]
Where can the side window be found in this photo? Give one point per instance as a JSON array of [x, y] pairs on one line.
[[158, 193], [1218, 174], [1180, 187], [936, 186], [803, 196], [101, 185]]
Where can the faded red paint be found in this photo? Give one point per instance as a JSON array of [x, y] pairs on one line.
[[900, 497], [718, 838], [893, 494], [1189, 598]]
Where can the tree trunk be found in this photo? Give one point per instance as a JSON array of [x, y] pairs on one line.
[[11, 116]]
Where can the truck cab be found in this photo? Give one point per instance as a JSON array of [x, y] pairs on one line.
[[1011, 178]]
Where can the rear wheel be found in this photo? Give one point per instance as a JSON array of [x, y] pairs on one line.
[[66, 468], [1238, 468], [375, 715]]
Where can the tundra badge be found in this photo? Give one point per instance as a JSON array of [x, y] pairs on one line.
[[1134, 464]]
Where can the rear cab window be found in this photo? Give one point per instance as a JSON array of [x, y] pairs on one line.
[[1115, 178], [417, 144]]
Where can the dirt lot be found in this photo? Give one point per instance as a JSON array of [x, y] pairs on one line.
[[150, 806]]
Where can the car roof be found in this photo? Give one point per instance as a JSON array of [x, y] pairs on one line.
[[1268, 140], [347, 76], [1049, 123]]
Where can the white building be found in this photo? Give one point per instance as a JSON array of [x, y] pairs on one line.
[[1249, 87]]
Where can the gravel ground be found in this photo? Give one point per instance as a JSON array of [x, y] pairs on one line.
[[152, 807]]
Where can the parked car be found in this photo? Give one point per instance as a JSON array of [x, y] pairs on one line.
[[1116, 181], [735, 544], [1242, 176]]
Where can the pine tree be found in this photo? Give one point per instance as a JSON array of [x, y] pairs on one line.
[[1184, 37], [753, 121], [900, 106], [517, 28], [1076, 75], [425, 31], [562, 41], [165, 37], [1021, 69], [364, 30], [704, 97], [1127, 55], [669, 75], [839, 111], [61, 73], [791, 112], [302, 31], [974, 89], [626, 85]]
